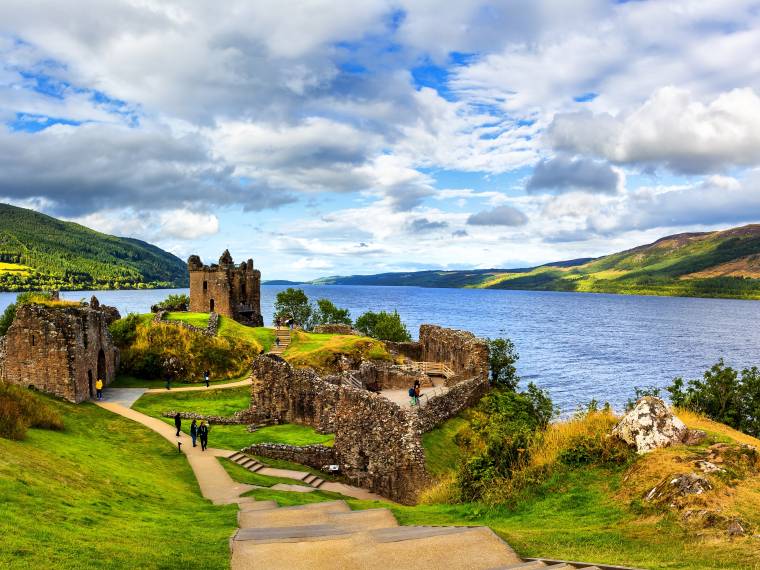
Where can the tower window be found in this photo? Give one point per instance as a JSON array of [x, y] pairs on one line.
[[205, 285]]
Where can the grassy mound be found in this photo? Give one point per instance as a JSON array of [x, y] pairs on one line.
[[225, 403], [260, 337], [323, 351], [199, 320], [106, 493], [21, 409]]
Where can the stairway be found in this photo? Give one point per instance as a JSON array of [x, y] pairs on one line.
[[255, 466], [330, 535], [283, 335]]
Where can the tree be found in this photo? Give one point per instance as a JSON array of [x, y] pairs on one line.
[[383, 326], [328, 314], [502, 358], [179, 302], [293, 304]]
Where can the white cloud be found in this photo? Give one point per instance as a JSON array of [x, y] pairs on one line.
[[498, 216], [185, 224]]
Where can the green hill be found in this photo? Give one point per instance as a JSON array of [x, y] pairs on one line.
[[41, 252], [711, 264]]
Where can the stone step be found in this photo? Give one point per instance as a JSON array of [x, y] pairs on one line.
[[474, 548], [237, 456], [256, 468], [353, 521], [530, 565], [257, 506], [291, 533]]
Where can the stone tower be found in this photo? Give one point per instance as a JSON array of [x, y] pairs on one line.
[[231, 291]]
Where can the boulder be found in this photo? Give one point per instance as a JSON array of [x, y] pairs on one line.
[[650, 425]]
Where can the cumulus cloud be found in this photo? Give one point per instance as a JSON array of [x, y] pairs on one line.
[[499, 216], [421, 225], [672, 129], [565, 174]]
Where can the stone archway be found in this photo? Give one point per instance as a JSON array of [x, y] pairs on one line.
[[211, 306], [102, 365]]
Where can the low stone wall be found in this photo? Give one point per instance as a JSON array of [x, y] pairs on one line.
[[238, 418], [384, 376], [336, 329], [211, 329], [316, 456], [412, 350], [285, 394], [440, 408]]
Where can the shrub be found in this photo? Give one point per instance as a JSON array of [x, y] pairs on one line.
[[724, 395], [178, 302], [596, 449], [21, 409], [327, 313], [7, 319], [123, 331], [502, 358], [383, 326], [165, 350]]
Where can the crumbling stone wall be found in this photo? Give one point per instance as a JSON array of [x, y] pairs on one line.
[[411, 350], [462, 351], [316, 456], [231, 291], [384, 376], [61, 350], [378, 444], [440, 408], [240, 417], [282, 393]]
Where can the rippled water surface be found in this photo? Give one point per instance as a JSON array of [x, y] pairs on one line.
[[576, 345]]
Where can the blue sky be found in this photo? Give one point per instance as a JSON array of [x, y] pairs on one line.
[[368, 136]]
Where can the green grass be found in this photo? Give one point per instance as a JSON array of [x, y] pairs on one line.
[[199, 320], [225, 403], [105, 493], [442, 455], [243, 475], [321, 351], [126, 381], [262, 337], [284, 464]]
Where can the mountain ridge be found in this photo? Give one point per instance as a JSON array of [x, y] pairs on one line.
[[38, 251], [722, 263]]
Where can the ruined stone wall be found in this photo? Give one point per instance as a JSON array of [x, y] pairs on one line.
[[282, 393], [440, 408], [412, 350], [385, 376], [461, 351], [316, 456], [61, 350], [377, 444], [238, 418], [232, 291]]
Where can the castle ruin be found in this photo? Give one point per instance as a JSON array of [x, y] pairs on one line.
[[230, 291], [60, 350]]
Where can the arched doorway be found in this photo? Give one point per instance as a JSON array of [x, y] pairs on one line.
[[211, 306], [89, 383], [102, 366]]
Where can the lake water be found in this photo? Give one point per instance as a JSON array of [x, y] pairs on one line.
[[576, 345]]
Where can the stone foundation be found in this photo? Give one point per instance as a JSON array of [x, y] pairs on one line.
[[463, 352], [243, 417]]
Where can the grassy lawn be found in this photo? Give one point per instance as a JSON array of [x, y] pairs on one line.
[[441, 453], [320, 351], [225, 403], [105, 493], [199, 320], [126, 381], [243, 475], [261, 337]]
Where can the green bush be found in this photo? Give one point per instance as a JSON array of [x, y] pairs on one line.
[[502, 357], [7, 319], [20, 409], [383, 326], [124, 330], [598, 449], [724, 395], [179, 302]]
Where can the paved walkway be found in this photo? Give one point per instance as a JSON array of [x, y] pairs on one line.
[[123, 396], [201, 387], [401, 397]]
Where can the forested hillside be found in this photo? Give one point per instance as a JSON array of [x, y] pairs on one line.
[[711, 264], [41, 252]]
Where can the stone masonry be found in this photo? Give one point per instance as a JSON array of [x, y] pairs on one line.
[[61, 350], [232, 291]]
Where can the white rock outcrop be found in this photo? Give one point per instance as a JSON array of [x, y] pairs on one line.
[[650, 425]]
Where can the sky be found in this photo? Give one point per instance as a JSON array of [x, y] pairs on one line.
[[337, 137]]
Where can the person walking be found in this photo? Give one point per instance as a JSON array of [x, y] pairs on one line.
[[203, 435], [193, 431], [99, 388], [178, 422], [416, 393], [206, 376]]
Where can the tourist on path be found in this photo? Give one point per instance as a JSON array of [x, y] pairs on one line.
[[178, 422], [99, 388], [416, 393], [203, 435], [206, 376], [193, 431]]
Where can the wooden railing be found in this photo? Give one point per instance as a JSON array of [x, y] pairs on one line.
[[431, 368]]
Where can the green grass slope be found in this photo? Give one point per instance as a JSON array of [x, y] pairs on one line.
[[41, 252], [713, 264], [105, 493]]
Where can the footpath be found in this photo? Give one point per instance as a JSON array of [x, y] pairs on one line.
[[328, 535]]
